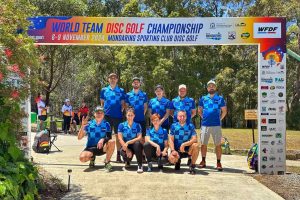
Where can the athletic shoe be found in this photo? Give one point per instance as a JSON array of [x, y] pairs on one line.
[[202, 164], [159, 163], [189, 161], [108, 167], [177, 165], [127, 164], [92, 162], [149, 167], [192, 170], [219, 167], [140, 169]]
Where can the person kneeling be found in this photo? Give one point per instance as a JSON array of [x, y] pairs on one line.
[[156, 145], [130, 135], [183, 142], [99, 140]]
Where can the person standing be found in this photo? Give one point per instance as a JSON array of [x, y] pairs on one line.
[[67, 115], [42, 111], [183, 102], [160, 105], [83, 111], [212, 109], [112, 98], [138, 100]]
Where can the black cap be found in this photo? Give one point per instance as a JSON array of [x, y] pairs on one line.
[[99, 108]]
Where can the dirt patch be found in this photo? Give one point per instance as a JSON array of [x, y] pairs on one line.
[[287, 186], [51, 187]]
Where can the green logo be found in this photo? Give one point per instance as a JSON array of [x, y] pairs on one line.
[[245, 35]]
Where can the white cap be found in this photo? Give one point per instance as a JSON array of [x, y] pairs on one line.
[[67, 100], [211, 82], [182, 86]]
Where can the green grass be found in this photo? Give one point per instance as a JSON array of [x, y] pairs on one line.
[[242, 138]]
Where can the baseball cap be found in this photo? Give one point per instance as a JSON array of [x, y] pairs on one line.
[[98, 108], [67, 100], [211, 82], [182, 86], [136, 78], [112, 74], [159, 86]]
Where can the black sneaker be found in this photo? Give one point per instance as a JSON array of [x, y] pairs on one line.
[[92, 162], [159, 164], [192, 170], [177, 165]]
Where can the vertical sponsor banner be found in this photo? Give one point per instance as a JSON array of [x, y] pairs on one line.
[[272, 107]]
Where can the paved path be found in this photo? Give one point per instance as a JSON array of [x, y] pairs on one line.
[[232, 183]]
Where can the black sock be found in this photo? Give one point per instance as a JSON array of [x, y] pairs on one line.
[[193, 165], [203, 159], [218, 161]]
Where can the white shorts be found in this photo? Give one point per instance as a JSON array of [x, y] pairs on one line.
[[215, 131]]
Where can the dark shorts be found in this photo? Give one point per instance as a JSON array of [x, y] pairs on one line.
[[114, 123], [77, 121], [143, 126], [95, 151], [42, 117], [184, 154]]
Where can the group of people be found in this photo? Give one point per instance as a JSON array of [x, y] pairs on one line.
[[162, 142], [71, 117]]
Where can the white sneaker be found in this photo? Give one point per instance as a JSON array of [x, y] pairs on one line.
[[140, 169]]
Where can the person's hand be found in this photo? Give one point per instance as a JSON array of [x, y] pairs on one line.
[[175, 153], [124, 147], [128, 154], [164, 153], [100, 144], [158, 151], [181, 149], [85, 120]]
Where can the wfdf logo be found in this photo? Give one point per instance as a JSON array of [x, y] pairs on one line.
[[267, 30]]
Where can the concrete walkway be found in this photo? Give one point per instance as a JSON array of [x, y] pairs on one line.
[[90, 184]]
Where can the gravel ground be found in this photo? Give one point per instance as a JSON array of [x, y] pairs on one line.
[[287, 186]]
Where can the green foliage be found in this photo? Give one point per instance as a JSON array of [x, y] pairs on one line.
[[17, 56]]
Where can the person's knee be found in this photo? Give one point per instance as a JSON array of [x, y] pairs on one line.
[[173, 159], [147, 145], [83, 158], [138, 144]]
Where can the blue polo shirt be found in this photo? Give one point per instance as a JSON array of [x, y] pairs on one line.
[[160, 107], [96, 132], [182, 133], [137, 100], [159, 137], [187, 104], [113, 101], [211, 109], [128, 132]]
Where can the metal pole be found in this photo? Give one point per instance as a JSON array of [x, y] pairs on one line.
[[253, 139]]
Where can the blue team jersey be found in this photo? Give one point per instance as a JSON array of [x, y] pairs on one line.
[[137, 102], [128, 132], [160, 107], [187, 104], [96, 132], [113, 101], [182, 133], [211, 109], [159, 137]]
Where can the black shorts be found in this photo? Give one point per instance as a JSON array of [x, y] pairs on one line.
[[143, 126], [114, 123], [184, 154], [95, 151], [42, 117]]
